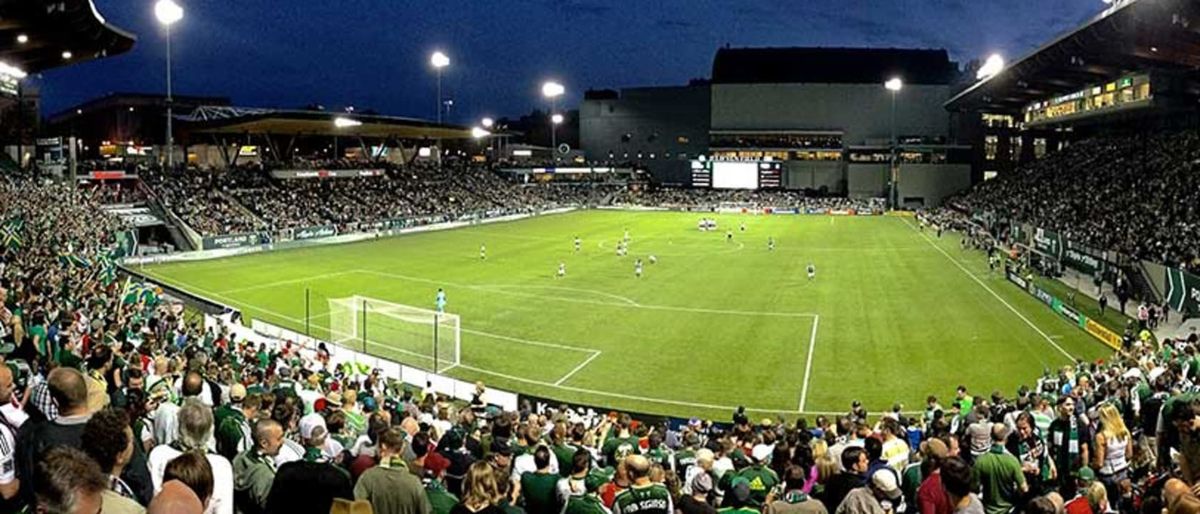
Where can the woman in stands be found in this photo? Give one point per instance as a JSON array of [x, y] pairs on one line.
[[1114, 449], [480, 491]]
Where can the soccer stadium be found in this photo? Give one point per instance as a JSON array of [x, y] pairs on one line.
[[867, 278]]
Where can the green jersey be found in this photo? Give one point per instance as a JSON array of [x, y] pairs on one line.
[[999, 472], [684, 459], [760, 478], [618, 448], [565, 453], [538, 492], [586, 504], [644, 499], [662, 456], [440, 500]]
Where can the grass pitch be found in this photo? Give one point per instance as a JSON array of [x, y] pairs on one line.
[[892, 315]]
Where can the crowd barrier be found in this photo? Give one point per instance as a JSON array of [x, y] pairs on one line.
[[1093, 328]]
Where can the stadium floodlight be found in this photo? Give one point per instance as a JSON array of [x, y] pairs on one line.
[[991, 67], [479, 133], [552, 89], [341, 122], [11, 71], [556, 119], [488, 122], [67, 55], [894, 84], [168, 12], [22, 38]]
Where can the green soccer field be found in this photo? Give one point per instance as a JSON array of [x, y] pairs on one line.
[[893, 314]]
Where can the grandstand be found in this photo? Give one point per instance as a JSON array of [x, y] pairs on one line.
[[318, 308]]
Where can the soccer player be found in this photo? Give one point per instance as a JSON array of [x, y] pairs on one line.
[[653, 259], [637, 268], [482, 252], [728, 236], [626, 235], [743, 226], [440, 301], [562, 270], [770, 244], [578, 244], [812, 271]]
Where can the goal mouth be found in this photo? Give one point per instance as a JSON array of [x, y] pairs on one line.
[[416, 336]]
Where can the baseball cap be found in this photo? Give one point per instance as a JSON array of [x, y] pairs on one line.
[[237, 393], [761, 453], [1085, 474], [884, 480], [435, 464], [333, 399], [309, 425], [702, 483]]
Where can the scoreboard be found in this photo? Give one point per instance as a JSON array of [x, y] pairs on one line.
[[737, 174]]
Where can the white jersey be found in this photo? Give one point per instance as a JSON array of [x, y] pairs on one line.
[[562, 269]]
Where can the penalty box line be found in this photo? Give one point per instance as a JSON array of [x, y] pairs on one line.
[[559, 384]]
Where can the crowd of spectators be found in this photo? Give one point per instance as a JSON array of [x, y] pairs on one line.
[[708, 198], [1135, 194]]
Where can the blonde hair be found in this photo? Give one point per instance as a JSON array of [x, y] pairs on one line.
[[1097, 496], [1111, 424], [826, 466], [479, 486]]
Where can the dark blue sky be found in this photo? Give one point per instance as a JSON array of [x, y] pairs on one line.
[[374, 53]]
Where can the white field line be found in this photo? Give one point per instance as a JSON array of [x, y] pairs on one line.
[[812, 343], [592, 302], [994, 294], [577, 368], [501, 287], [285, 282], [529, 342]]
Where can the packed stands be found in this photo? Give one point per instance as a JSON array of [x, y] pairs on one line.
[[1135, 194]]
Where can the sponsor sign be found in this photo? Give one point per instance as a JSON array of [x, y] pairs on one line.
[[231, 241], [1083, 259], [1042, 295], [300, 174], [316, 231], [1102, 333], [1016, 279]]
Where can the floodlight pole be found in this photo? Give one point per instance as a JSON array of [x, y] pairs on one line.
[[436, 322], [439, 96], [553, 128], [170, 101], [893, 171]]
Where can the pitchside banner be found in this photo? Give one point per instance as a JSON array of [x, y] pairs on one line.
[[231, 241], [315, 232], [1083, 259], [1183, 291]]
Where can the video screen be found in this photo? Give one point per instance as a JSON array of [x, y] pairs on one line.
[[735, 175]]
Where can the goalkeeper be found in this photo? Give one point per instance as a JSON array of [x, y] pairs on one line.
[[440, 301]]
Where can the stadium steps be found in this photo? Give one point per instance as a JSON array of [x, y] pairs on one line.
[[175, 226], [244, 210]]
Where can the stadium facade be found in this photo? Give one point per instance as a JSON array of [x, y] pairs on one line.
[[822, 113]]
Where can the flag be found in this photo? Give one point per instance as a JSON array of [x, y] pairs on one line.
[[10, 234], [108, 270], [131, 292]]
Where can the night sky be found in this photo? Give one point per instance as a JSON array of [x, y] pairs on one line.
[[374, 54]]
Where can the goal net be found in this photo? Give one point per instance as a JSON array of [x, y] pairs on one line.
[[422, 338]]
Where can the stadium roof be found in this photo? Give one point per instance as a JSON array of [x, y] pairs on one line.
[[1129, 36], [241, 120], [831, 65], [52, 27]]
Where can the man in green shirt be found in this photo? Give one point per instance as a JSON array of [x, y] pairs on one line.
[[389, 487], [440, 500], [760, 478], [620, 443], [233, 421], [999, 472], [739, 499], [1179, 428], [589, 503], [538, 488], [254, 469], [643, 496]]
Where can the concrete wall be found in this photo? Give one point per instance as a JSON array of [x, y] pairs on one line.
[[932, 182], [829, 175], [654, 118], [866, 180], [863, 111]]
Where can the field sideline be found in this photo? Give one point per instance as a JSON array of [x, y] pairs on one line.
[[893, 314]]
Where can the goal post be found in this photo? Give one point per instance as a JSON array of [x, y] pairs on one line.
[[422, 338]]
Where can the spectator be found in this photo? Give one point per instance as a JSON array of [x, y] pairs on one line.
[[9, 483], [191, 468], [233, 422], [194, 433], [1068, 440], [65, 480], [793, 500], [389, 486], [1000, 474], [855, 463], [175, 498], [1114, 449], [956, 482], [590, 502], [931, 498], [481, 494], [760, 478], [309, 484], [68, 388], [643, 496], [108, 440], [254, 469], [538, 488], [881, 495], [1027, 445]]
